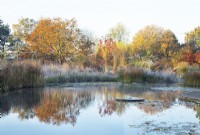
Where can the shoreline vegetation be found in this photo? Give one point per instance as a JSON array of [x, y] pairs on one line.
[[33, 74], [55, 50]]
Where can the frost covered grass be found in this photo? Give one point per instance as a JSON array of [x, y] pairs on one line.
[[29, 74], [135, 74], [64, 73]]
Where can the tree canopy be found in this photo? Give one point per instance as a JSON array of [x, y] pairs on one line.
[[23, 28], [53, 39], [119, 33], [61, 40], [4, 34], [153, 41], [193, 38]]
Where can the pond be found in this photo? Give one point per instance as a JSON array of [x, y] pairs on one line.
[[93, 110]]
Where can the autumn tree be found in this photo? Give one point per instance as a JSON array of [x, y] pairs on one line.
[[54, 39], [119, 35], [197, 57], [198, 40], [189, 56], [169, 44], [190, 51], [113, 48], [146, 42], [155, 43], [104, 49], [192, 38], [86, 43], [21, 30], [4, 35]]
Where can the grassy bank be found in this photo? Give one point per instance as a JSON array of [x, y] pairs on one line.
[[16, 75], [140, 75], [77, 76], [63, 74], [30, 74]]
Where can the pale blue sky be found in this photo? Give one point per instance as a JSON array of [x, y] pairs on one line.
[[99, 16]]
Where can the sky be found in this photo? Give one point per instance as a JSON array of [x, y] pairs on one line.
[[98, 16]]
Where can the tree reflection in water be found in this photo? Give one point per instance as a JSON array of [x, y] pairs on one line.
[[62, 105], [194, 106], [20, 102], [53, 105], [156, 101], [197, 109], [107, 104]]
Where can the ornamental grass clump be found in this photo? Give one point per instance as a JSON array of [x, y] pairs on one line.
[[140, 75], [192, 79], [24, 74]]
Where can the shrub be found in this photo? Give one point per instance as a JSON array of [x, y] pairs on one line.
[[77, 77], [55, 73], [181, 68], [18, 75], [144, 63], [193, 68], [135, 74], [162, 64], [120, 75], [54, 70], [192, 78]]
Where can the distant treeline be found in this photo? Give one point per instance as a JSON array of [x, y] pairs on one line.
[[61, 41]]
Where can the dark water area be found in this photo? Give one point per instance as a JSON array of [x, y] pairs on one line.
[[93, 110]]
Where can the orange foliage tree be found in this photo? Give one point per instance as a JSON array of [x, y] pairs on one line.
[[53, 39], [188, 55], [197, 57]]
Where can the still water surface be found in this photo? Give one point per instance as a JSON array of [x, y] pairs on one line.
[[92, 110]]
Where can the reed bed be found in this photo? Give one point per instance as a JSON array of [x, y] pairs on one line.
[[140, 75], [24, 74], [192, 79]]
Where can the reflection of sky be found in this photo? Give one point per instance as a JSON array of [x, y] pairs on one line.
[[175, 115], [91, 123], [99, 15]]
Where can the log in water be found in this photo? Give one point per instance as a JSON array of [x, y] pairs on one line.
[[130, 99]]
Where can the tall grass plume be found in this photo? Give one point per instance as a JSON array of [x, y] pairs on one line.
[[140, 75], [24, 74], [192, 79]]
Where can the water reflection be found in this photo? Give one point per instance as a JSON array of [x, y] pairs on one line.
[[197, 109], [63, 105], [21, 102], [193, 106], [107, 104], [50, 105], [158, 101]]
